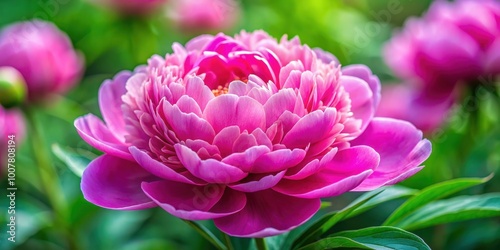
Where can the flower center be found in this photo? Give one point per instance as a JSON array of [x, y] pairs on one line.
[[224, 89], [219, 91]]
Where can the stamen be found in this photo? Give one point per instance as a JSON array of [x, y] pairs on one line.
[[220, 91]]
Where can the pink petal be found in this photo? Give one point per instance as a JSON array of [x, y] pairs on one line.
[[364, 73], [268, 213], [260, 94], [244, 142], [284, 100], [224, 140], [304, 171], [262, 138], [313, 127], [187, 104], [325, 56], [362, 100], [187, 126], [210, 170], [401, 150], [278, 160], [195, 202], [492, 60], [196, 89], [115, 183], [161, 170], [245, 160], [258, 182], [290, 75], [227, 110], [110, 102], [346, 171], [95, 133]]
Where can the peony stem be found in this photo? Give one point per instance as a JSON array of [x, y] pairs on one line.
[[209, 236], [227, 240], [48, 176], [261, 243]]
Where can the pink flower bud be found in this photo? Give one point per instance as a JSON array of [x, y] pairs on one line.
[[43, 55], [12, 87]]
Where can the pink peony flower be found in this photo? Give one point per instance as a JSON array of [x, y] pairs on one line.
[[247, 131], [131, 7], [11, 123], [453, 43], [204, 15], [43, 55]]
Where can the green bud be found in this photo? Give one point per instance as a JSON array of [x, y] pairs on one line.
[[12, 87]]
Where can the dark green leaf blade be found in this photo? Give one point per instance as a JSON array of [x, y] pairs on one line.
[[207, 234], [76, 162], [371, 238], [430, 194], [328, 221], [389, 193], [452, 210]]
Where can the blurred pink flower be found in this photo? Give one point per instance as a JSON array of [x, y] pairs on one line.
[[427, 110], [131, 7], [247, 131], [11, 123], [204, 15], [453, 43], [43, 55]]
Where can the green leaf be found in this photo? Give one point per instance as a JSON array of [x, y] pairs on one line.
[[76, 162], [149, 244], [329, 220], [430, 194], [389, 193], [207, 234], [452, 210], [325, 204], [371, 238]]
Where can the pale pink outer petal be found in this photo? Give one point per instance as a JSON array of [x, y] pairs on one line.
[[347, 170], [401, 150], [268, 213], [95, 133], [115, 183], [191, 202]]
